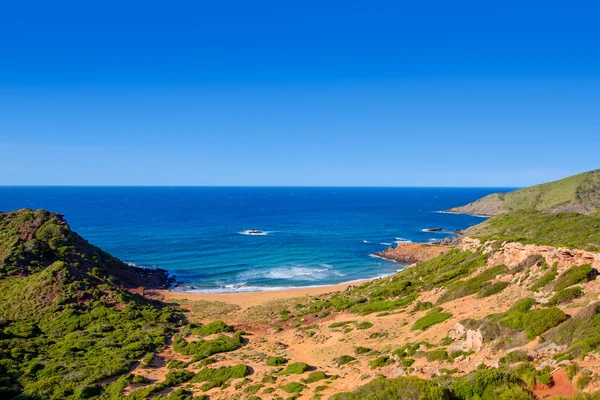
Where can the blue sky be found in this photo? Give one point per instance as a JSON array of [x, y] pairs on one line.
[[374, 93]]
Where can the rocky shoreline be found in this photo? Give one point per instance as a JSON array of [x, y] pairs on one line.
[[411, 253]]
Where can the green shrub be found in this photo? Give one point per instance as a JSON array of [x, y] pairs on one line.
[[571, 370], [361, 350], [473, 285], [437, 355], [208, 329], [566, 295], [341, 360], [407, 388], [314, 377], [276, 361], [216, 377], [433, 317], [407, 362], [295, 368], [294, 387], [537, 322], [205, 348], [492, 289], [572, 276], [364, 325], [340, 324], [380, 362], [544, 279], [581, 333], [514, 357]]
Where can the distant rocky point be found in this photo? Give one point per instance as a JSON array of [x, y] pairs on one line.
[[410, 253]]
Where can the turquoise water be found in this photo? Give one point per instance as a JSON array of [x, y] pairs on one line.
[[314, 236]]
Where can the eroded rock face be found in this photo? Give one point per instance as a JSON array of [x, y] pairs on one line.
[[412, 252], [511, 254]]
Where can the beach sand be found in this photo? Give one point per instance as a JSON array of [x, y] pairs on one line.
[[248, 299]]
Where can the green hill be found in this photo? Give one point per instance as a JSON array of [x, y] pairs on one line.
[[66, 322], [578, 193]]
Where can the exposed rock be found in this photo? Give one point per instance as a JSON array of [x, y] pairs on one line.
[[412, 252], [513, 253], [458, 331], [432, 230], [474, 340]]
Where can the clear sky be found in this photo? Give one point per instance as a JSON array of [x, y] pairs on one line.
[[383, 93]]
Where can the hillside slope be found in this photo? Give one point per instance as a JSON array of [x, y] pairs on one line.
[[579, 193], [66, 322]]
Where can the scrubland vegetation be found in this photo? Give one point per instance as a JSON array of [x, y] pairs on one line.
[[69, 329]]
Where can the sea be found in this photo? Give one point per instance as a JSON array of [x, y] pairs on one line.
[[309, 236]]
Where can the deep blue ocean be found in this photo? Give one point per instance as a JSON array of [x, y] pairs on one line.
[[314, 236]]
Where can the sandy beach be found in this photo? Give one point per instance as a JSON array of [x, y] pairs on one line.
[[248, 299]]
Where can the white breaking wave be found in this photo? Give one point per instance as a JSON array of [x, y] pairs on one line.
[[294, 272], [132, 264], [385, 244], [253, 232]]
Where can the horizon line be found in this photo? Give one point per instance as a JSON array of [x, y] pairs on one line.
[[263, 186]]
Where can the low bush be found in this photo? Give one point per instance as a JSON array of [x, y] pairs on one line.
[[380, 362], [437, 355], [364, 325], [216, 377], [572, 276], [566, 295], [433, 317], [201, 349], [492, 289], [314, 377], [341, 360], [293, 387], [544, 280], [295, 368], [515, 356], [276, 361], [408, 388], [361, 350], [341, 324]]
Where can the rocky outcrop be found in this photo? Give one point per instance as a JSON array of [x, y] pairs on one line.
[[473, 339], [412, 252], [512, 254]]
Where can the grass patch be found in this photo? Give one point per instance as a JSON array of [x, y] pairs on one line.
[[571, 230], [364, 325], [295, 368], [433, 317]]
